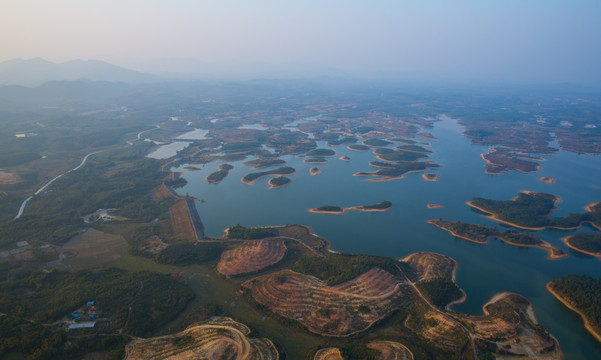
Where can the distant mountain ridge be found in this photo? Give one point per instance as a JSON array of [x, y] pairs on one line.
[[37, 71]]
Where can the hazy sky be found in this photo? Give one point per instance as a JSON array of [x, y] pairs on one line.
[[508, 40]]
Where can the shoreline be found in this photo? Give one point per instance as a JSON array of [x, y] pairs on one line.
[[431, 177], [314, 172], [463, 298], [271, 186], [348, 147], [587, 324], [494, 217], [262, 176], [566, 240], [347, 209], [548, 247], [590, 206], [457, 235], [507, 169]]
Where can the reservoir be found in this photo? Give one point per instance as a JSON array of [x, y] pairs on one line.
[[484, 270]]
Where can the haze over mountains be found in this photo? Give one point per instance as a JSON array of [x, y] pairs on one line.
[[37, 71]]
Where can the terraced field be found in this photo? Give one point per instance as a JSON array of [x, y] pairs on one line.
[[339, 310], [390, 350], [251, 256], [220, 338], [430, 266], [328, 354]]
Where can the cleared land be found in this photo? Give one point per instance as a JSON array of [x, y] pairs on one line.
[[182, 222], [391, 350], [251, 256], [95, 248], [340, 310], [8, 178], [220, 338]]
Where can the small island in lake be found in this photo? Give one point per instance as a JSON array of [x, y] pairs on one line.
[[250, 179], [191, 168], [329, 209], [581, 294], [587, 243], [434, 206], [547, 180], [376, 142], [278, 182], [314, 171], [263, 163], [315, 161], [480, 234], [501, 160], [390, 171], [321, 152], [532, 211], [430, 177], [357, 147], [217, 176], [345, 158]]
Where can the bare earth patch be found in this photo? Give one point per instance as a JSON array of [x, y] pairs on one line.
[[390, 350], [340, 310], [8, 178], [328, 354], [251, 256], [94, 248], [219, 339]]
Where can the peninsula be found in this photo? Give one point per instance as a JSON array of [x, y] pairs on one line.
[[532, 211], [582, 294], [586, 243], [481, 234]]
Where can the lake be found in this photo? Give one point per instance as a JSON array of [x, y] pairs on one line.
[[484, 270]]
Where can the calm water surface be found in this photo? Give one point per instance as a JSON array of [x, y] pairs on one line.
[[484, 269]]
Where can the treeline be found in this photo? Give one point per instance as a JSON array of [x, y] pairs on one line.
[[241, 232], [584, 293], [440, 292], [338, 268]]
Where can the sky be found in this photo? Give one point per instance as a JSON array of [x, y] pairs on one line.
[[477, 40]]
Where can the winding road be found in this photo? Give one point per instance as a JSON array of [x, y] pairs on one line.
[[83, 161]]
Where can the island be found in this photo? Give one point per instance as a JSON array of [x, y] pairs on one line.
[[217, 176], [434, 206], [263, 163], [581, 294], [391, 171], [547, 180], [501, 160], [532, 211], [250, 179], [315, 161], [329, 209], [278, 182], [357, 147], [191, 168], [345, 158], [586, 243], [430, 177], [376, 142], [414, 148], [314, 171], [321, 152], [481, 234]]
